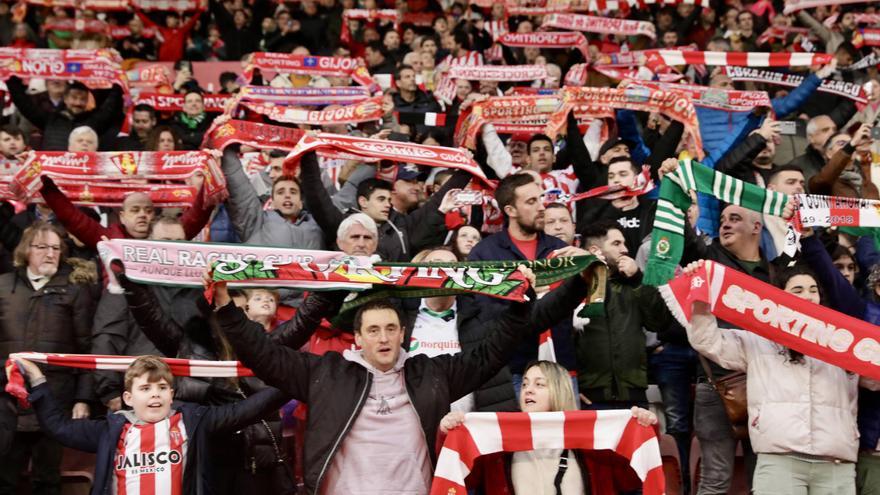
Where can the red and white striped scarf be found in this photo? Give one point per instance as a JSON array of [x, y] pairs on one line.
[[602, 25], [487, 433], [703, 96], [283, 63], [151, 458], [548, 39], [780, 33], [671, 58], [94, 68], [795, 5], [254, 134], [343, 95], [119, 168], [363, 111], [499, 72]]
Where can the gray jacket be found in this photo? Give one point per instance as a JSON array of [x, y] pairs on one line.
[[257, 226]]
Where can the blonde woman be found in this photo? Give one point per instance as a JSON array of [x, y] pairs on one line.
[[546, 387]]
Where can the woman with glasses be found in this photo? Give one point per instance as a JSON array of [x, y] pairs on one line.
[[45, 306]]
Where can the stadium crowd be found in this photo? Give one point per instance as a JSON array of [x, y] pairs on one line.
[[668, 139]]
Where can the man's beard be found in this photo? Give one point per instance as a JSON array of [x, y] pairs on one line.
[[536, 226], [47, 271], [764, 160]]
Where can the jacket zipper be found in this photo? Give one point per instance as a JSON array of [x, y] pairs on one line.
[[354, 414]]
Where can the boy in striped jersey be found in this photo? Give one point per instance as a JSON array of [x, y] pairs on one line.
[[152, 448]]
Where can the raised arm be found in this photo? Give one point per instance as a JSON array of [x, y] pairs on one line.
[[159, 327], [196, 216], [245, 209], [79, 434], [103, 117], [278, 366], [319, 203], [80, 225], [24, 104], [840, 294], [242, 413], [725, 347], [295, 332]]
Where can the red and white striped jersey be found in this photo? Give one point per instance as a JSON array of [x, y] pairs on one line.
[[151, 457], [470, 59]]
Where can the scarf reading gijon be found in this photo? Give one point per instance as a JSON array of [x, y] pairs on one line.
[[364, 111], [284, 63], [776, 315], [94, 68]]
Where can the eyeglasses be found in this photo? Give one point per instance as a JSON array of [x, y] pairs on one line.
[[44, 247]]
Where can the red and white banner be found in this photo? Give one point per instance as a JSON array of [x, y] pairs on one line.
[[118, 5], [123, 166], [373, 150], [149, 76], [780, 33], [603, 102], [706, 97], [776, 315], [795, 5], [576, 75], [870, 36], [502, 110], [253, 134], [848, 90], [373, 15], [284, 63], [174, 102], [499, 72], [826, 211], [547, 39], [346, 95], [94, 68], [745, 59], [602, 25], [637, 73], [365, 111], [487, 433]]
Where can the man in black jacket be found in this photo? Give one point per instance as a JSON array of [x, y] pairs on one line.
[[56, 126], [374, 413]]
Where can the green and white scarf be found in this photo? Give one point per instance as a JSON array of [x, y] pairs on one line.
[[667, 238]]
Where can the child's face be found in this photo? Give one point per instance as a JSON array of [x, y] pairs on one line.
[[151, 401]]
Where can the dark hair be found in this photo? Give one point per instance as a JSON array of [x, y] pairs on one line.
[[196, 91], [153, 138], [536, 138], [784, 168], [462, 38], [453, 241], [431, 37], [226, 77], [841, 251], [402, 68], [14, 131], [594, 232], [377, 46], [621, 159], [366, 188], [75, 86], [506, 193], [143, 107], [779, 279], [374, 306], [286, 178]]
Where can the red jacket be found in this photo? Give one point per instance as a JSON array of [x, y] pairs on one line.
[[89, 232], [172, 41]]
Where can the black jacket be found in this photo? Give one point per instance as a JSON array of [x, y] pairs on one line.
[[102, 436], [738, 161], [56, 126], [402, 235], [811, 162], [335, 388]]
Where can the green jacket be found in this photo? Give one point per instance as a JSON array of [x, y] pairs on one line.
[[611, 358]]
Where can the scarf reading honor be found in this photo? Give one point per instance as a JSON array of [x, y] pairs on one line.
[[487, 433], [776, 315], [667, 237], [119, 169], [373, 150], [179, 367]]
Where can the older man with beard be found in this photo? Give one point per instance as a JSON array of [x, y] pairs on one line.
[[45, 306]]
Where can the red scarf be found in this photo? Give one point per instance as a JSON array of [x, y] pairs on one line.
[[776, 315], [601, 25], [253, 134], [365, 111], [283, 63]]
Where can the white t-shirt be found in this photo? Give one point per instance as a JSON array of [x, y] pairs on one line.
[[435, 334]]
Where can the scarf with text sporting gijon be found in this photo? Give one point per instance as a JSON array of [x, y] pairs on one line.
[[776, 315], [667, 237]]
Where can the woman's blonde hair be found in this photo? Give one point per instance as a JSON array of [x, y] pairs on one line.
[[558, 385]]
